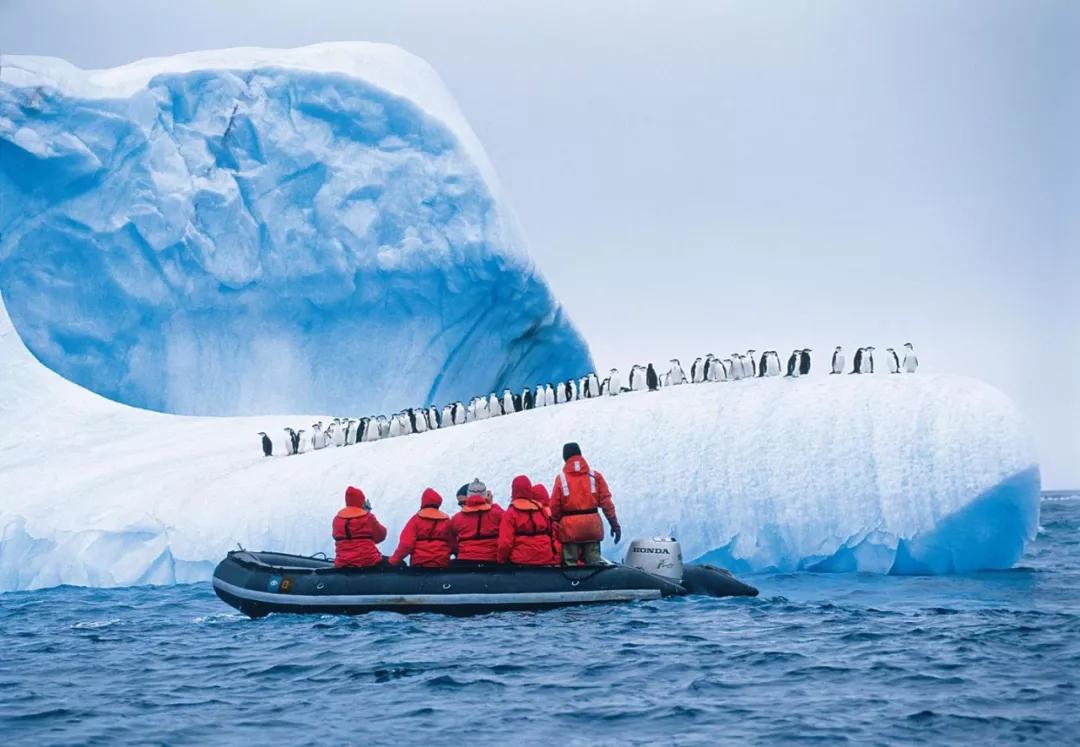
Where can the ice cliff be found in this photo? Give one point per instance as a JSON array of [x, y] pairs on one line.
[[249, 231], [901, 474]]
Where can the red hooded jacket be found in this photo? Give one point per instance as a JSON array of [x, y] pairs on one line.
[[476, 529], [356, 532], [541, 496], [426, 537], [525, 534], [577, 498]]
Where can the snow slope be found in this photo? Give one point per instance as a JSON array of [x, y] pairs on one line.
[[262, 230], [904, 474]]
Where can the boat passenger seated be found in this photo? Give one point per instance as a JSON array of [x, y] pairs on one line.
[[525, 533], [426, 539], [476, 530], [357, 532]]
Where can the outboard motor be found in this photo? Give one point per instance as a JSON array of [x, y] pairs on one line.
[[660, 556]]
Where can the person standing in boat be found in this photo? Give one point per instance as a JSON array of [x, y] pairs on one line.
[[427, 539], [525, 532], [357, 532], [476, 526], [577, 498]]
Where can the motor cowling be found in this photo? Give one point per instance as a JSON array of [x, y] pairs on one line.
[[660, 556]]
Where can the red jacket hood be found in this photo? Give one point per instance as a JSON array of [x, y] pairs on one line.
[[430, 499], [540, 494], [521, 487], [476, 500], [576, 465], [354, 497]]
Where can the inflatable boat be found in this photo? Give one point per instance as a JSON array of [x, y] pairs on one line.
[[258, 583]]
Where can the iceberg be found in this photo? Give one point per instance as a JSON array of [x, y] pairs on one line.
[[248, 231], [927, 473]]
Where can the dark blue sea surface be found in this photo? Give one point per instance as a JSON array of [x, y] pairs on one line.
[[992, 657]]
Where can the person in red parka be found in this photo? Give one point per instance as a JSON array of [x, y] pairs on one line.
[[356, 532], [577, 498], [426, 538], [476, 530], [541, 495], [525, 534]]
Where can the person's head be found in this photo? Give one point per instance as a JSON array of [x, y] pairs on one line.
[[521, 487], [430, 499], [477, 487], [355, 498], [541, 495], [570, 450], [462, 494]]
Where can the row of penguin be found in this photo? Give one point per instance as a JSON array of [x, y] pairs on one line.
[[349, 431]]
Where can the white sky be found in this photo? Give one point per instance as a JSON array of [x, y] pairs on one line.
[[706, 177]]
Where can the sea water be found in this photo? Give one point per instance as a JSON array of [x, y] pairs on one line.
[[991, 657]]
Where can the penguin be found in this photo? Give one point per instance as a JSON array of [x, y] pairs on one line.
[[727, 366], [763, 365], [560, 393], [614, 382], [667, 379], [634, 377], [737, 368], [362, 429], [837, 361], [290, 449], [318, 438], [299, 442], [549, 392], [750, 356], [494, 406], [594, 385], [793, 363], [857, 362], [911, 361], [384, 426], [267, 444], [709, 371], [571, 390], [508, 402], [419, 420], [892, 360], [517, 403], [696, 371], [605, 387], [774, 364], [447, 417], [804, 362], [651, 380], [527, 399], [676, 373], [540, 398], [869, 356]]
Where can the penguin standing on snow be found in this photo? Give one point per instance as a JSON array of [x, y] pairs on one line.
[[763, 365], [300, 441], [447, 416], [804, 362], [290, 442], [267, 444], [527, 399], [614, 382], [540, 397], [678, 376], [697, 371], [494, 407], [594, 385], [893, 360], [508, 402], [517, 403], [549, 392], [857, 361], [750, 356], [868, 359], [737, 369], [837, 361], [793, 363], [911, 361], [560, 393], [651, 380]]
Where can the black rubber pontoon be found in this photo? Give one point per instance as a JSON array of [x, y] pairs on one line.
[[258, 583]]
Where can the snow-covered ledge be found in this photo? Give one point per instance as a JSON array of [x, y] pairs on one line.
[[922, 473]]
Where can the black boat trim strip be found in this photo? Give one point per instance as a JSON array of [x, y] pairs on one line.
[[436, 600]]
